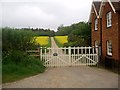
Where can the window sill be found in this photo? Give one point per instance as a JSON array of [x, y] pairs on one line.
[[95, 30], [109, 26], [109, 55]]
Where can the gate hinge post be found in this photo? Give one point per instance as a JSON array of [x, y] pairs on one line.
[[69, 52]]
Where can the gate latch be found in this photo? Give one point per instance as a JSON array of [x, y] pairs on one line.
[[55, 54]]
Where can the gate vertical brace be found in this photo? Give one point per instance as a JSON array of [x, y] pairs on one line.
[[69, 52]]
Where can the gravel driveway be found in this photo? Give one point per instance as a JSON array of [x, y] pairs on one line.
[[69, 77]]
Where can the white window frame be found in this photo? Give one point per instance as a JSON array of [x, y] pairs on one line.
[[109, 19], [96, 24], [109, 47]]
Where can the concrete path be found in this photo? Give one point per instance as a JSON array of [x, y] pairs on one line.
[[69, 77], [53, 44]]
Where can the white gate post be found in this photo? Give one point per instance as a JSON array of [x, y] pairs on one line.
[[69, 52], [97, 54]]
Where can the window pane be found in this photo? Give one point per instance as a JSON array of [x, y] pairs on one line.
[[109, 47], [96, 24], [109, 19]]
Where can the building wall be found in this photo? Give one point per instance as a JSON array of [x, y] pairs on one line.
[[119, 33], [95, 34], [111, 33]]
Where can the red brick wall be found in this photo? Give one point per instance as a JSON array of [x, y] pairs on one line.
[[95, 34], [111, 33]]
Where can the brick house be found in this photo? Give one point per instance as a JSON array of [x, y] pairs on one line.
[[94, 18], [105, 22]]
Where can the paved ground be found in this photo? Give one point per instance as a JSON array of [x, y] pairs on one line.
[[53, 44], [69, 77]]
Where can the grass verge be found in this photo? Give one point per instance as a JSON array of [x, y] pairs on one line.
[[19, 65]]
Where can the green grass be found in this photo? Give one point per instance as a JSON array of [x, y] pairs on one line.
[[17, 72], [60, 40], [49, 43], [19, 66]]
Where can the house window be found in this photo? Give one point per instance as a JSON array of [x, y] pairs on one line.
[[109, 48], [96, 24], [109, 19]]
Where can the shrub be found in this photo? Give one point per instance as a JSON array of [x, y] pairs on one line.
[[17, 40], [18, 65], [15, 61]]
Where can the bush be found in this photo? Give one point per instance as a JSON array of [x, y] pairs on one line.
[[17, 39], [18, 65], [74, 40]]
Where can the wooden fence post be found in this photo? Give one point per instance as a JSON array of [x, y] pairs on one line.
[[41, 53]]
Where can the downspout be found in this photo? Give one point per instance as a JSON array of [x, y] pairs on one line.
[[101, 34], [118, 12]]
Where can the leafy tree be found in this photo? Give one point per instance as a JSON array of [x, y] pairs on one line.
[[14, 39], [79, 34]]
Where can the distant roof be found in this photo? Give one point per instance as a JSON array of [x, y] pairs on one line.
[[97, 5]]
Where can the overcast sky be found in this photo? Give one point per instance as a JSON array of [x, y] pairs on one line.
[[44, 13]]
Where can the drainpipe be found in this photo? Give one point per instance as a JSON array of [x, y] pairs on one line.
[[101, 35]]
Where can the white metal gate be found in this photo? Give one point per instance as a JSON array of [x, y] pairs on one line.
[[71, 56]]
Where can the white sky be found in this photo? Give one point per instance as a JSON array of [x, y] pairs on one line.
[[44, 13]]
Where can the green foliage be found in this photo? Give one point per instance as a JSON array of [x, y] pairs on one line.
[[16, 39], [15, 61], [49, 43], [74, 40], [18, 65], [79, 34], [41, 31], [58, 43], [44, 32]]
